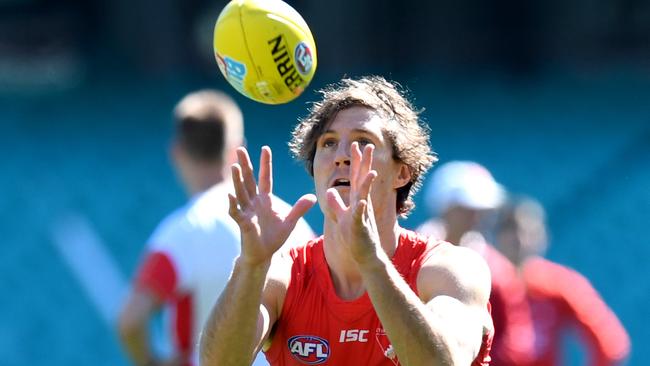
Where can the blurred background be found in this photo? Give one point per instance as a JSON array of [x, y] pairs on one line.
[[552, 96]]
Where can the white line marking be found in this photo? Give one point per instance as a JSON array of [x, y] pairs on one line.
[[93, 266]]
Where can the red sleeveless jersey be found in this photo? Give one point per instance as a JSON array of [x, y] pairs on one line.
[[317, 327]]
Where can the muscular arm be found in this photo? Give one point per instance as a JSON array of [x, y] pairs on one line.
[[248, 307], [239, 321], [445, 325]]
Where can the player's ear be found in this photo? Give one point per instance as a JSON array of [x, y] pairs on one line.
[[403, 176]]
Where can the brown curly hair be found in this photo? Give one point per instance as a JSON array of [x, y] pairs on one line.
[[408, 135]]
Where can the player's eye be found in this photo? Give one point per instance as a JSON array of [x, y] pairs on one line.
[[328, 142], [363, 142]]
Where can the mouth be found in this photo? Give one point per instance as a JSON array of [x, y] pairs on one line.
[[341, 182]]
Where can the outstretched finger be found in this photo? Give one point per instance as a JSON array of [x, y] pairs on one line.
[[233, 207], [355, 160], [247, 171], [266, 171], [359, 210], [366, 159], [300, 208], [363, 192], [243, 200], [335, 203]]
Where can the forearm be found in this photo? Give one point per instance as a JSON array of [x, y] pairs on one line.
[[409, 324], [135, 340], [230, 335]]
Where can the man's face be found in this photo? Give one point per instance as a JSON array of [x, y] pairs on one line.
[[521, 237], [332, 158], [462, 219], [508, 241]]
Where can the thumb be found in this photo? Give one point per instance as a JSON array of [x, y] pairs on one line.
[[300, 208]]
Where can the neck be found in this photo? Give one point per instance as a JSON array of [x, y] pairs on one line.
[[201, 179], [346, 277], [454, 236]]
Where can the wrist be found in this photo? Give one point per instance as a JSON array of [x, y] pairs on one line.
[[372, 261], [251, 265]]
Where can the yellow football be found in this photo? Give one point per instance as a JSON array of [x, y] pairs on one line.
[[265, 50]]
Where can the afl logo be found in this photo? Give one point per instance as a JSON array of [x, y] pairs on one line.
[[302, 55], [309, 350]]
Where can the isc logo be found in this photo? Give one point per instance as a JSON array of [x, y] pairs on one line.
[[353, 335], [310, 350]]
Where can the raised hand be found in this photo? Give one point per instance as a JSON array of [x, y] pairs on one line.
[[356, 221], [263, 229]]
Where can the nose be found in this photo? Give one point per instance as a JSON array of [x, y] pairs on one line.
[[342, 154]]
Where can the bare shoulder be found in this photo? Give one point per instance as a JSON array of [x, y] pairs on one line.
[[457, 272]]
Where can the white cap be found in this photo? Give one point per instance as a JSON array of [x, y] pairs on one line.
[[463, 183]]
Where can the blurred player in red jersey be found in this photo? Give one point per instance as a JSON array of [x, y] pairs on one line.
[[560, 298], [460, 195], [367, 292]]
